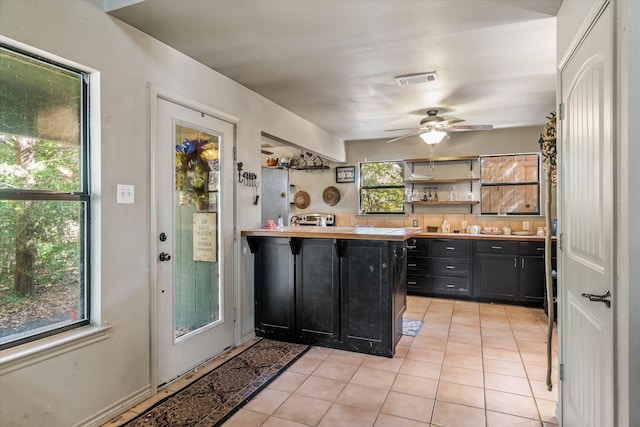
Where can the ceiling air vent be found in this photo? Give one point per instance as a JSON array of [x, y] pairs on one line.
[[414, 79]]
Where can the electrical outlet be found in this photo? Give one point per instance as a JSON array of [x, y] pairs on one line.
[[464, 225], [415, 222], [525, 225]]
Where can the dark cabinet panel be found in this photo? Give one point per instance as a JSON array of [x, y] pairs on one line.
[[419, 285], [450, 247], [450, 266], [440, 267], [531, 279], [274, 289], [365, 275], [318, 290], [418, 265], [346, 294], [452, 286], [496, 247], [496, 276], [510, 271]]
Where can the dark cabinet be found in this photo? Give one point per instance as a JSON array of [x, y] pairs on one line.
[[373, 294], [419, 281], [274, 288], [509, 271], [317, 290], [496, 273], [451, 267], [346, 294], [439, 267]]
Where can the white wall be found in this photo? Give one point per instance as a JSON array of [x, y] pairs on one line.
[[497, 141], [72, 387]]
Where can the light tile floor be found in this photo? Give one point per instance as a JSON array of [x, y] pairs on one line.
[[471, 364]]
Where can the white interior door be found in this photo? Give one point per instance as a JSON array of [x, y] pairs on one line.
[[194, 246], [587, 229]]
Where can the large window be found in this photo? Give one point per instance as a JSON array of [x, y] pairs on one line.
[[381, 187], [44, 198]]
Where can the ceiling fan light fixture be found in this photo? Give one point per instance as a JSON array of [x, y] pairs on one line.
[[433, 137]]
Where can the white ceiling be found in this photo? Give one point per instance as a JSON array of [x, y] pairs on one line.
[[333, 62]]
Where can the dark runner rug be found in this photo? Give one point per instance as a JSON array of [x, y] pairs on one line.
[[213, 398]]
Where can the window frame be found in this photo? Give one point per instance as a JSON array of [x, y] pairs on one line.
[[362, 187], [82, 197], [538, 183]]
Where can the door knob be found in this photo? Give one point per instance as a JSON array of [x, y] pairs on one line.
[[164, 257], [605, 298]]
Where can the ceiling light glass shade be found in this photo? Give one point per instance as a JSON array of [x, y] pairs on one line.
[[433, 137]]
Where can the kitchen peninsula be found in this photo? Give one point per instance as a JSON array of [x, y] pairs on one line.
[[338, 287]]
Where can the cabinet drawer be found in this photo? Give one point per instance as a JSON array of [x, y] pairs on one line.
[[418, 247], [419, 284], [496, 246], [419, 265], [535, 249], [451, 286], [450, 267], [450, 248]]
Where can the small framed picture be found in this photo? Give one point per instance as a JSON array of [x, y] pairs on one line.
[[345, 174]]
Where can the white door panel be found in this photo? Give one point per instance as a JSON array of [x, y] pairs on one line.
[[194, 204], [587, 230]]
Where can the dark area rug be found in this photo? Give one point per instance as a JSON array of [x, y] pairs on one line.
[[213, 398]]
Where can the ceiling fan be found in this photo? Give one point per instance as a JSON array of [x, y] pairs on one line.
[[432, 128]]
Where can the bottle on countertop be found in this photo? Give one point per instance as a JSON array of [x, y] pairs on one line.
[[446, 228]]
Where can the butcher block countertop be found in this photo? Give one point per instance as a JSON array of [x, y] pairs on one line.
[[376, 233], [349, 233]]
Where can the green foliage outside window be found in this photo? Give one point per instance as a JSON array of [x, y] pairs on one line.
[[381, 187], [44, 198]]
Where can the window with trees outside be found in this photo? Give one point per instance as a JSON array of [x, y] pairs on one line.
[[381, 187], [44, 198]]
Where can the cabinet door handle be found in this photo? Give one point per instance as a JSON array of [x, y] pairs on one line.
[[450, 248], [412, 265], [412, 283], [522, 262], [515, 263], [496, 247], [449, 285], [412, 245], [450, 267], [540, 249]]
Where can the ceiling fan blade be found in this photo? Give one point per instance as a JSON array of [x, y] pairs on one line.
[[404, 136], [471, 127], [449, 122], [394, 130]]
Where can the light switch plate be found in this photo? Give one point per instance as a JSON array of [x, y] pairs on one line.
[[125, 194], [415, 222], [525, 225]]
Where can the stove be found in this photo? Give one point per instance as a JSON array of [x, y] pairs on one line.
[[313, 219]]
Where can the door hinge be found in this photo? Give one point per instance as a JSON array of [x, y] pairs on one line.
[[561, 111], [235, 315], [561, 372], [235, 153], [560, 241]]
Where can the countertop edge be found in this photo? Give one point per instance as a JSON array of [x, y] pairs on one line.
[[378, 233], [348, 233]]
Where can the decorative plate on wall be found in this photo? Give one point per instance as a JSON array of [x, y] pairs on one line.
[[331, 196], [301, 199]]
